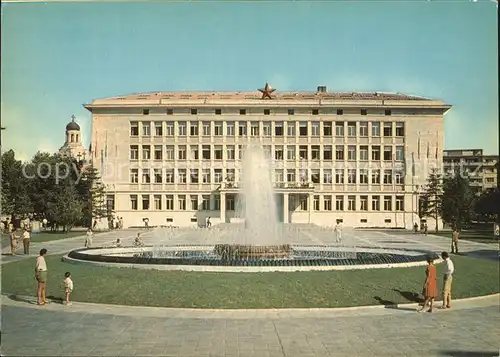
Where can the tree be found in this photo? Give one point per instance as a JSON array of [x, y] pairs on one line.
[[457, 200], [93, 195], [433, 196], [487, 205], [15, 193], [66, 207], [423, 207]]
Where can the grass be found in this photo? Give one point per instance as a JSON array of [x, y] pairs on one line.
[[49, 236], [126, 286], [479, 236]]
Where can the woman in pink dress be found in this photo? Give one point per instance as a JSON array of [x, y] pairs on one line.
[[430, 290]]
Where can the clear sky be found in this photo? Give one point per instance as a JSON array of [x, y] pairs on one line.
[[57, 56]]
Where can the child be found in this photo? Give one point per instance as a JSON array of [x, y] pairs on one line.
[[68, 286]]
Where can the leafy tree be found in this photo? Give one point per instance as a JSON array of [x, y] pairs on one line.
[[65, 207], [433, 196], [93, 194], [15, 193], [423, 207], [457, 200], [487, 205]]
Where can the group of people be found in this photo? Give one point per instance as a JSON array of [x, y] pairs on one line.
[[15, 238], [423, 227], [430, 289]]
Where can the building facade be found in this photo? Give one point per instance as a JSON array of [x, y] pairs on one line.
[[175, 157], [481, 169]]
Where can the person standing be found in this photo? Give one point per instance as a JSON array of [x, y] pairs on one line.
[[88, 238], [447, 280], [454, 241], [41, 277], [26, 241], [338, 233], [13, 242], [430, 290]]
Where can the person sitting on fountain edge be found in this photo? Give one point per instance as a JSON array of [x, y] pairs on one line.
[[138, 242]]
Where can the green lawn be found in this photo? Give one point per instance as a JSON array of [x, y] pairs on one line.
[[128, 286], [50, 236], [479, 236]]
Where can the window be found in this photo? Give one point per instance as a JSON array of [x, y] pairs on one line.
[[363, 153], [291, 112], [340, 111], [315, 128], [290, 152], [351, 203], [182, 155], [218, 111], [205, 203], [376, 153], [242, 128], [327, 203], [194, 111], [169, 126], [194, 152], [110, 202], [134, 128], [387, 129], [387, 177], [169, 176], [376, 128], [315, 112], [303, 128], [316, 203], [387, 153], [133, 202], [146, 177], [351, 129], [327, 129], [218, 152], [230, 175], [205, 175], [194, 202], [351, 152], [206, 128], [315, 152], [266, 128], [267, 111], [230, 128], [387, 203], [388, 112], [303, 203], [145, 112], [193, 175], [230, 203], [241, 150], [230, 152], [303, 152], [290, 128], [339, 203], [278, 152], [170, 111], [315, 176], [339, 152], [400, 128], [169, 203], [339, 176], [134, 152], [146, 152], [158, 152], [254, 128], [169, 153], [157, 199], [182, 125], [145, 202], [327, 152], [399, 178], [351, 176], [278, 128], [363, 176], [364, 112], [400, 203], [134, 175], [217, 202], [218, 177], [290, 175], [193, 128], [327, 176], [205, 152], [182, 175], [243, 112], [181, 200], [363, 128], [146, 129], [339, 128], [158, 128], [363, 203], [400, 153], [278, 176], [375, 203], [376, 177], [158, 175]]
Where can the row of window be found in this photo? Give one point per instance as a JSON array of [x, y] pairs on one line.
[[206, 176], [255, 128], [293, 152], [314, 111], [330, 203]]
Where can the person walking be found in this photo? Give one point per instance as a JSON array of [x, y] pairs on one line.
[[41, 277], [88, 238], [430, 290], [454, 241], [338, 233], [447, 280], [26, 241]]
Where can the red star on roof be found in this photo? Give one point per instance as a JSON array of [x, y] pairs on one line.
[[267, 91]]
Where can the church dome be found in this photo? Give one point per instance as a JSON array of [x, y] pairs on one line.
[[72, 125]]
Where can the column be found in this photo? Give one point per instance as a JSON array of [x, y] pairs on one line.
[[285, 208], [222, 207], [310, 206]]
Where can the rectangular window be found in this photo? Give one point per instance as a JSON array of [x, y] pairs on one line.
[[351, 129], [267, 111], [217, 202], [169, 126], [315, 128], [193, 175], [363, 203], [303, 152], [327, 152], [278, 152], [170, 111], [364, 112], [206, 128], [134, 152], [133, 202], [376, 153], [169, 153], [145, 202], [158, 176], [399, 178], [351, 203], [400, 153], [339, 152], [340, 111], [218, 111], [363, 176], [205, 203], [243, 111], [230, 128], [315, 112], [134, 175], [169, 203], [230, 206], [181, 199], [182, 152], [363, 153], [158, 128], [194, 152], [218, 177], [218, 152], [290, 128], [182, 175], [351, 153], [146, 176], [400, 128], [375, 203], [327, 176], [194, 202], [327, 129], [376, 128], [387, 203], [351, 176], [242, 128], [387, 153], [376, 177], [278, 176], [146, 129], [316, 203], [266, 128], [387, 129], [290, 152], [315, 152], [339, 203], [194, 111], [387, 177], [146, 152], [290, 175], [205, 152], [182, 126], [134, 128], [303, 128], [291, 112], [400, 203], [205, 176], [388, 112], [157, 199], [339, 176], [230, 152], [254, 128], [339, 128], [315, 176], [303, 203], [169, 176], [193, 128], [363, 129], [158, 152], [327, 203], [278, 128]]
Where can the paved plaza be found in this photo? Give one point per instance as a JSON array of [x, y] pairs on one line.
[[470, 329]]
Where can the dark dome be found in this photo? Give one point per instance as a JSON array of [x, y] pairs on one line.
[[72, 125]]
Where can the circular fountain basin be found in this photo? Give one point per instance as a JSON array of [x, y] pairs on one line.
[[207, 258]]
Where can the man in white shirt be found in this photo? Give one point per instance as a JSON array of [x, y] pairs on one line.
[[26, 241], [41, 277], [447, 280]]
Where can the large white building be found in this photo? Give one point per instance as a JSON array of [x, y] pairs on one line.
[[175, 157]]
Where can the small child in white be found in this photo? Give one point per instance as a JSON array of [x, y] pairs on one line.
[[68, 286]]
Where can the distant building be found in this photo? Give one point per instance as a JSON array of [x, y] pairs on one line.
[[175, 157], [481, 169], [73, 144]]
